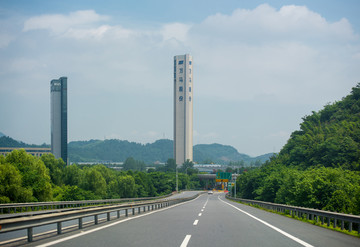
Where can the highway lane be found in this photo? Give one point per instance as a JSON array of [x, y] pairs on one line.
[[210, 220], [22, 235]]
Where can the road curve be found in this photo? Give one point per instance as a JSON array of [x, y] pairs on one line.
[[210, 220]]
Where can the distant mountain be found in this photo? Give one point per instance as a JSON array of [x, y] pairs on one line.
[[159, 151], [118, 151], [6, 141], [1, 134], [218, 153]]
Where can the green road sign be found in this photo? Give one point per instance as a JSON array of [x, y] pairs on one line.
[[223, 176]]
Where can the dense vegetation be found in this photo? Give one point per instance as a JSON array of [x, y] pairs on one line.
[[319, 166], [24, 178]]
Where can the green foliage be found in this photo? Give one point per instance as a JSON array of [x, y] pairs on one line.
[[24, 178], [330, 137], [35, 175], [11, 189], [135, 165], [318, 167], [56, 168], [170, 166]]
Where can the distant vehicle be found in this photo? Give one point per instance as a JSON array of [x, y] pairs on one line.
[[210, 192]]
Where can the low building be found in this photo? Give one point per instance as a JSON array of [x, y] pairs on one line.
[[37, 152]]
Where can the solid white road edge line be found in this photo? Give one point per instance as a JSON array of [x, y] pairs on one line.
[[112, 224], [186, 241], [271, 226]]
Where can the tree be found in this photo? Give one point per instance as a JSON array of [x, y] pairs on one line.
[[170, 165], [11, 189], [73, 175], [126, 186], [56, 168], [34, 173], [94, 182]]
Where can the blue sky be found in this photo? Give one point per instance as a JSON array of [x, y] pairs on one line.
[[259, 67]]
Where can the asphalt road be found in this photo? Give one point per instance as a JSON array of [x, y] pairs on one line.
[[209, 220]]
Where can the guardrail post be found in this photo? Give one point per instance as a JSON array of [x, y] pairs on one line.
[[30, 234], [334, 223], [149, 208], [133, 211], [96, 219], [350, 226], [59, 228], [328, 221], [126, 213], [118, 213], [80, 223], [139, 210], [342, 225], [108, 216]]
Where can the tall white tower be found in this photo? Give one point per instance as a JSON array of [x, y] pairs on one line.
[[183, 108]]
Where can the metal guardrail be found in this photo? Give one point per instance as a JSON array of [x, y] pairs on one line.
[[314, 214], [32, 206], [28, 223]]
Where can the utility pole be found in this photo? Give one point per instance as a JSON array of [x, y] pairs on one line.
[[235, 187], [177, 188]]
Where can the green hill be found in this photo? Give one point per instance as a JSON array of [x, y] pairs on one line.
[[159, 151], [330, 137], [6, 141], [319, 167]]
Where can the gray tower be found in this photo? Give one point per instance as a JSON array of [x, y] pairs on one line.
[[183, 109], [58, 93]]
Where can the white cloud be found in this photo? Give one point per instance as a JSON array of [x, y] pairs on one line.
[[59, 24], [178, 31], [290, 54], [265, 23]]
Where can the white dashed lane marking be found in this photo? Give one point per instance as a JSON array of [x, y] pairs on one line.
[[186, 241]]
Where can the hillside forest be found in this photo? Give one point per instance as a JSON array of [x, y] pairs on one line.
[[318, 167]]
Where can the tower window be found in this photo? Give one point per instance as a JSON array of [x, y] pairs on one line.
[[189, 89], [189, 79], [190, 71], [180, 79], [180, 89], [181, 70], [181, 98], [190, 62], [190, 98], [181, 62]]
